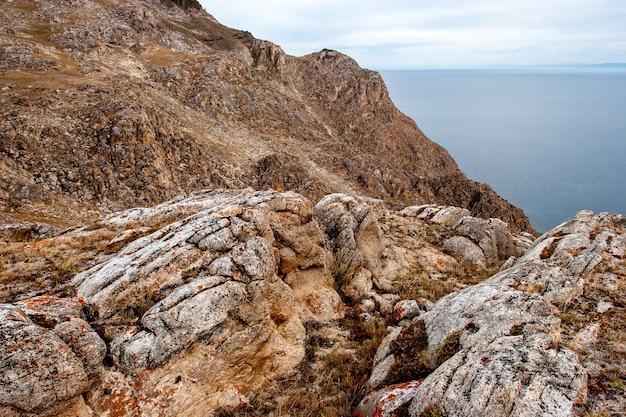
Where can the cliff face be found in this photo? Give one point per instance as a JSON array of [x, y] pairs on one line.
[[109, 104]]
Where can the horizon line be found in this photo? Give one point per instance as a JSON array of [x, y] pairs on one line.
[[604, 65]]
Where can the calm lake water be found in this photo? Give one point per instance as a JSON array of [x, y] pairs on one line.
[[552, 142]]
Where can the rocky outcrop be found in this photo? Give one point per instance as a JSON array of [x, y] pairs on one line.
[[388, 401], [27, 232], [221, 298], [482, 242], [352, 231], [113, 105], [235, 298], [45, 357], [510, 352], [49, 356], [227, 290]]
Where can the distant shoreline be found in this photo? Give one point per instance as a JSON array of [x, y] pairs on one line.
[[608, 65]]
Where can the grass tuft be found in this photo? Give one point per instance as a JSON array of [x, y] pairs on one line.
[[33, 268]]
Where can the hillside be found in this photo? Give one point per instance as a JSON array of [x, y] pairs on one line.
[[109, 104], [193, 223]]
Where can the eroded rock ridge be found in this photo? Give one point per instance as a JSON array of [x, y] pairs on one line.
[[226, 301]]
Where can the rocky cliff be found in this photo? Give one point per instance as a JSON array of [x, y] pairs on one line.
[[111, 104], [194, 223]]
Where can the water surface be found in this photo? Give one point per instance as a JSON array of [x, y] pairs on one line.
[[552, 142]]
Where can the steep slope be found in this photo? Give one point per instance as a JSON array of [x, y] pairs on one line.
[[109, 104]]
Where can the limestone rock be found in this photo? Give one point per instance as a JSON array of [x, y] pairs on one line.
[[492, 237], [219, 296], [467, 250], [352, 230], [449, 216], [387, 401], [192, 311], [436, 261], [384, 360], [66, 318], [476, 241], [426, 211], [171, 210], [507, 357], [38, 369], [50, 310], [516, 376], [408, 309], [84, 342], [359, 285], [26, 232]]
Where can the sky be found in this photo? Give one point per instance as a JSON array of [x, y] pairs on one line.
[[400, 34]]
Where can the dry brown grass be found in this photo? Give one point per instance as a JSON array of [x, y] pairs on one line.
[[158, 57], [419, 283], [605, 358], [46, 266], [329, 382], [332, 383]]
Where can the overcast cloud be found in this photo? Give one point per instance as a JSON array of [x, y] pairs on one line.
[[443, 33]]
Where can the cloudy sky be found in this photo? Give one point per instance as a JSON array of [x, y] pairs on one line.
[[442, 33]]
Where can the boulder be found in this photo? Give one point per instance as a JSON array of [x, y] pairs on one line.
[[66, 318], [435, 261], [37, 368], [492, 236], [355, 240], [387, 401], [426, 211], [84, 342], [482, 242], [220, 296], [485, 242], [512, 376], [19, 232], [449, 216], [467, 250], [496, 347], [409, 309]]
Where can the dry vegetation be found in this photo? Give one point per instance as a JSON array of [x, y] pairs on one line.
[[45, 266], [417, 281], [331, 379], [599, 337]]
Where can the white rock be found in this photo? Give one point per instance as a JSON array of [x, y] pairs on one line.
[[449, 216], [467, 250], [604, 306], [37, 369]]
